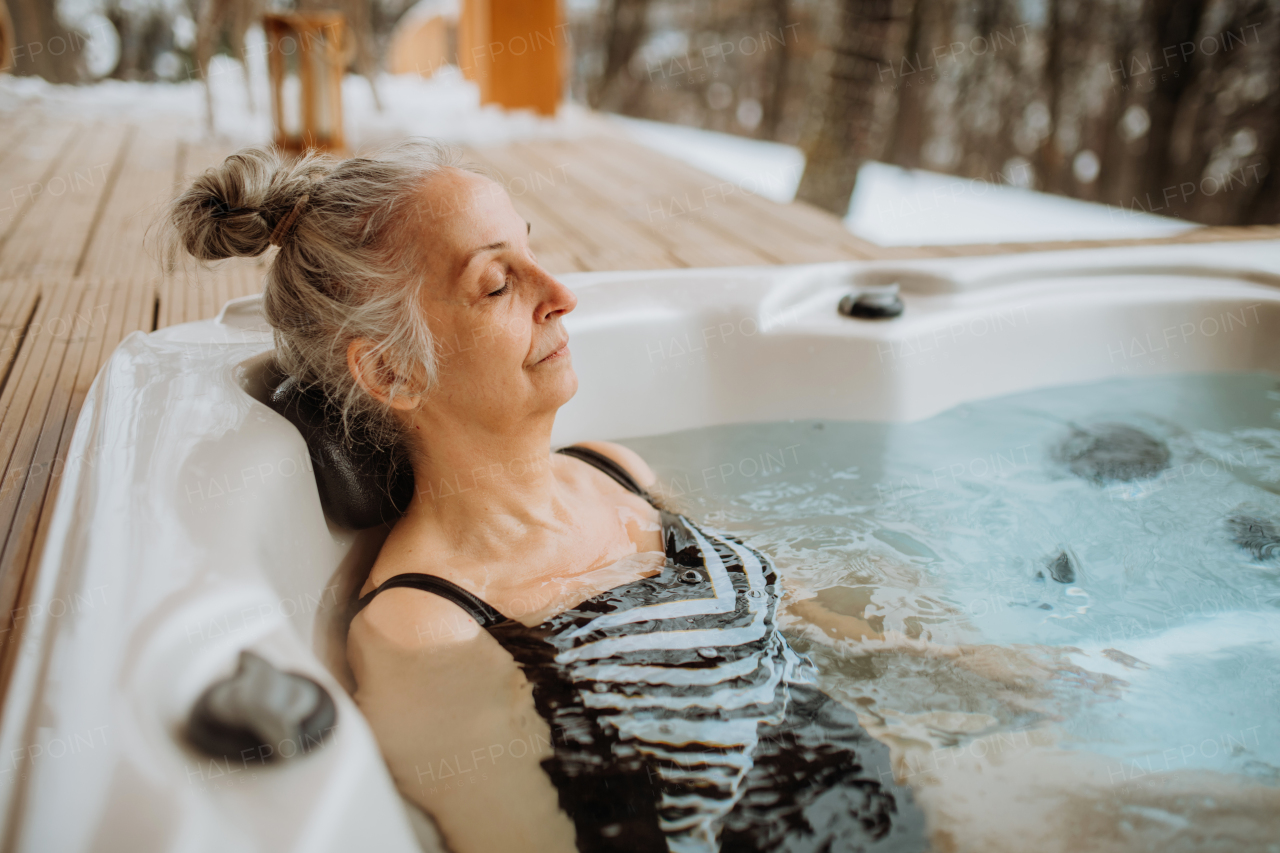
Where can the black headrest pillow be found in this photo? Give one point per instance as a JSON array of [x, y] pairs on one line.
[[361, 485]]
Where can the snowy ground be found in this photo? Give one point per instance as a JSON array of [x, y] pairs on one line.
[[446, 107], [902, 207], [890, 206]]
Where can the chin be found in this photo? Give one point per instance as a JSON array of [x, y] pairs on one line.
[[569, 383], [555, 387], [562, 386]]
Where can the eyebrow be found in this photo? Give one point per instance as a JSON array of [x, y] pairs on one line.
[[471, 256], [492, 247]]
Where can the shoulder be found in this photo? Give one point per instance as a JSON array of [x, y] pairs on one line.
[[410, 620], [405, 617], [626, 457]]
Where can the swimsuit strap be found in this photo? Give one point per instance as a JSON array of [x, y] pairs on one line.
[[477, 608], [598, 460]]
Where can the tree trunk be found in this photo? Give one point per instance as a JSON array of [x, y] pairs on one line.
[[779, 62], [1114, 184], [906, 143], [625, 33], [1264, 207], [1051, 161], [42, 45], [1176, 23], [6, 37], [858, 106]]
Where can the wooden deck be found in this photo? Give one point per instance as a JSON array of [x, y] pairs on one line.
[[78, 201]]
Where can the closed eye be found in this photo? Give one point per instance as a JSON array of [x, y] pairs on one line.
[[506, 285]]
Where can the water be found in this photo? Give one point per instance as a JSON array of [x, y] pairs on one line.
[[1123, 617]]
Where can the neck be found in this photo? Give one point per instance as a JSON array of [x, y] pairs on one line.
[[463, 475]]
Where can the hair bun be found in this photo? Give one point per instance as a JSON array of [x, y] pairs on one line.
[[233, 209]]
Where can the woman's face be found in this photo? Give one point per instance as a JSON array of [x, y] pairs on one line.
[[495, 313]]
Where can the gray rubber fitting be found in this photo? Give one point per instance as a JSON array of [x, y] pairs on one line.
[[262, 714]]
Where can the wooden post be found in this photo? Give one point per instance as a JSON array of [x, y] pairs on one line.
[[473, 32], [514, 50], [307, 55]]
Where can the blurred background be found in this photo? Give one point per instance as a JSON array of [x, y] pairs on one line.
[[870, 109]]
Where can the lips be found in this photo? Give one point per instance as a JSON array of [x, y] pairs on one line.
[[561, 350]]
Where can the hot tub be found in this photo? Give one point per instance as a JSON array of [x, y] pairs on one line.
[[188, 525]]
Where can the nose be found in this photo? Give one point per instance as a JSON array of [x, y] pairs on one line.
[[557, 300]]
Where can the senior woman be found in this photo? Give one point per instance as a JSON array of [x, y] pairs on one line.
[[549, 660]]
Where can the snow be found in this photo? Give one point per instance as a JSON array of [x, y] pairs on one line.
[[911, 207], [445, 107], [893, 206], [425, 10], [769, 169]]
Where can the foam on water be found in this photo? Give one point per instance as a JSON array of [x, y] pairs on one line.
[[1127, 612]]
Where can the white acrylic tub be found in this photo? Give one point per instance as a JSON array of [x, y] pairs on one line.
[[188, 525]]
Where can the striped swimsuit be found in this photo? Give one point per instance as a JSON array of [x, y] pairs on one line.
[[682, 720]]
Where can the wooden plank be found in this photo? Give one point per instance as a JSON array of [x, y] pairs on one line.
[[800, 221], [183, 296], [189, 291], [210, 288], [16, 126], [203, 154], [68, 207], [29, 402], [20, 298], [556, 262], [119, 247], [34, 368], [35, 449], [198, 298], [171, 309], [224, 286], [129, 312], [712, 202], [604, 241], [251, 282], [230, 285], [197, 283], [165, 314], [188, 287], [209, 294], [689, 238], [26, 170], [14, 313], [555, 188], [732, 209], [698, 214], [104, 201], [27, 363]]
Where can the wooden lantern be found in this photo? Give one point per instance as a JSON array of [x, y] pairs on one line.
[[307, 55]]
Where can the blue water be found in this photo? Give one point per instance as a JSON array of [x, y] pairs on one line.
[[1163, 651]]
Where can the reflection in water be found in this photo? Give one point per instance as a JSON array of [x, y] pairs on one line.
[[1058, 609]]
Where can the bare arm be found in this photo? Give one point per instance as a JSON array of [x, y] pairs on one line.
[[455, 719]]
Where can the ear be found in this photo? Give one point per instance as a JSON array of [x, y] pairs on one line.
[[375, 375]]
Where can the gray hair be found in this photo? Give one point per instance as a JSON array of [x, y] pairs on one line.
[[348, 268]]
